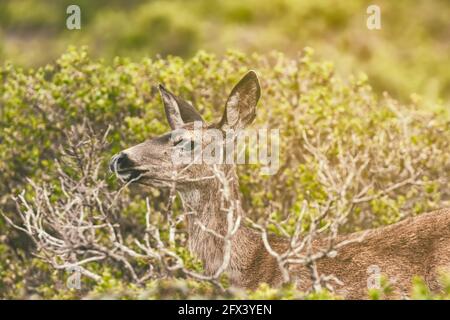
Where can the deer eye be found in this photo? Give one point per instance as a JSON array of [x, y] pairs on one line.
[[177, 142], [187, 144]]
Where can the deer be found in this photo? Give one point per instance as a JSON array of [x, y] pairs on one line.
[[415, 246]]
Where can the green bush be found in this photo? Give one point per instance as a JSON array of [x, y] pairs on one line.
[[302, 97], [409, 54]]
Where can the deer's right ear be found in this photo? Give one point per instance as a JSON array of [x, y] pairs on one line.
[[178, 111], [240, 109]]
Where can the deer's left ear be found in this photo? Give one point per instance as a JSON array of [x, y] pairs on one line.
[[178, 111], [240, 109]]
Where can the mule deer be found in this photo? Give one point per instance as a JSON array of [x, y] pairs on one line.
[[414, 246]]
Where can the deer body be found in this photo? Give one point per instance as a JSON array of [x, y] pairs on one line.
[[414, 246], [417, 246]]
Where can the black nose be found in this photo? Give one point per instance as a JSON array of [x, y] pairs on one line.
[[120, 161]]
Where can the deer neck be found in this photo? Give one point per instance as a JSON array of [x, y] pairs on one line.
[[207, 218]]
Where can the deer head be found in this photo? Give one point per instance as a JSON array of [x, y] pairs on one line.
[[153, 162]]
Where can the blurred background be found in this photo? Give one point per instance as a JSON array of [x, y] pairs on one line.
[[410, 54]]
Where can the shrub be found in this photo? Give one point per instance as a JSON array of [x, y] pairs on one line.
[[396, 155], [409, 54]]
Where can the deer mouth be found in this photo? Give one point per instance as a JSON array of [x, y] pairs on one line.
[[127, 172], [124, 168], [130, 175]]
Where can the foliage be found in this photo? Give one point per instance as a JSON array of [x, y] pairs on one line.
[[409, 54], [313, 108]]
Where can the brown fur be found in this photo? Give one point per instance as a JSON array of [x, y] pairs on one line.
[[415, 246]]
